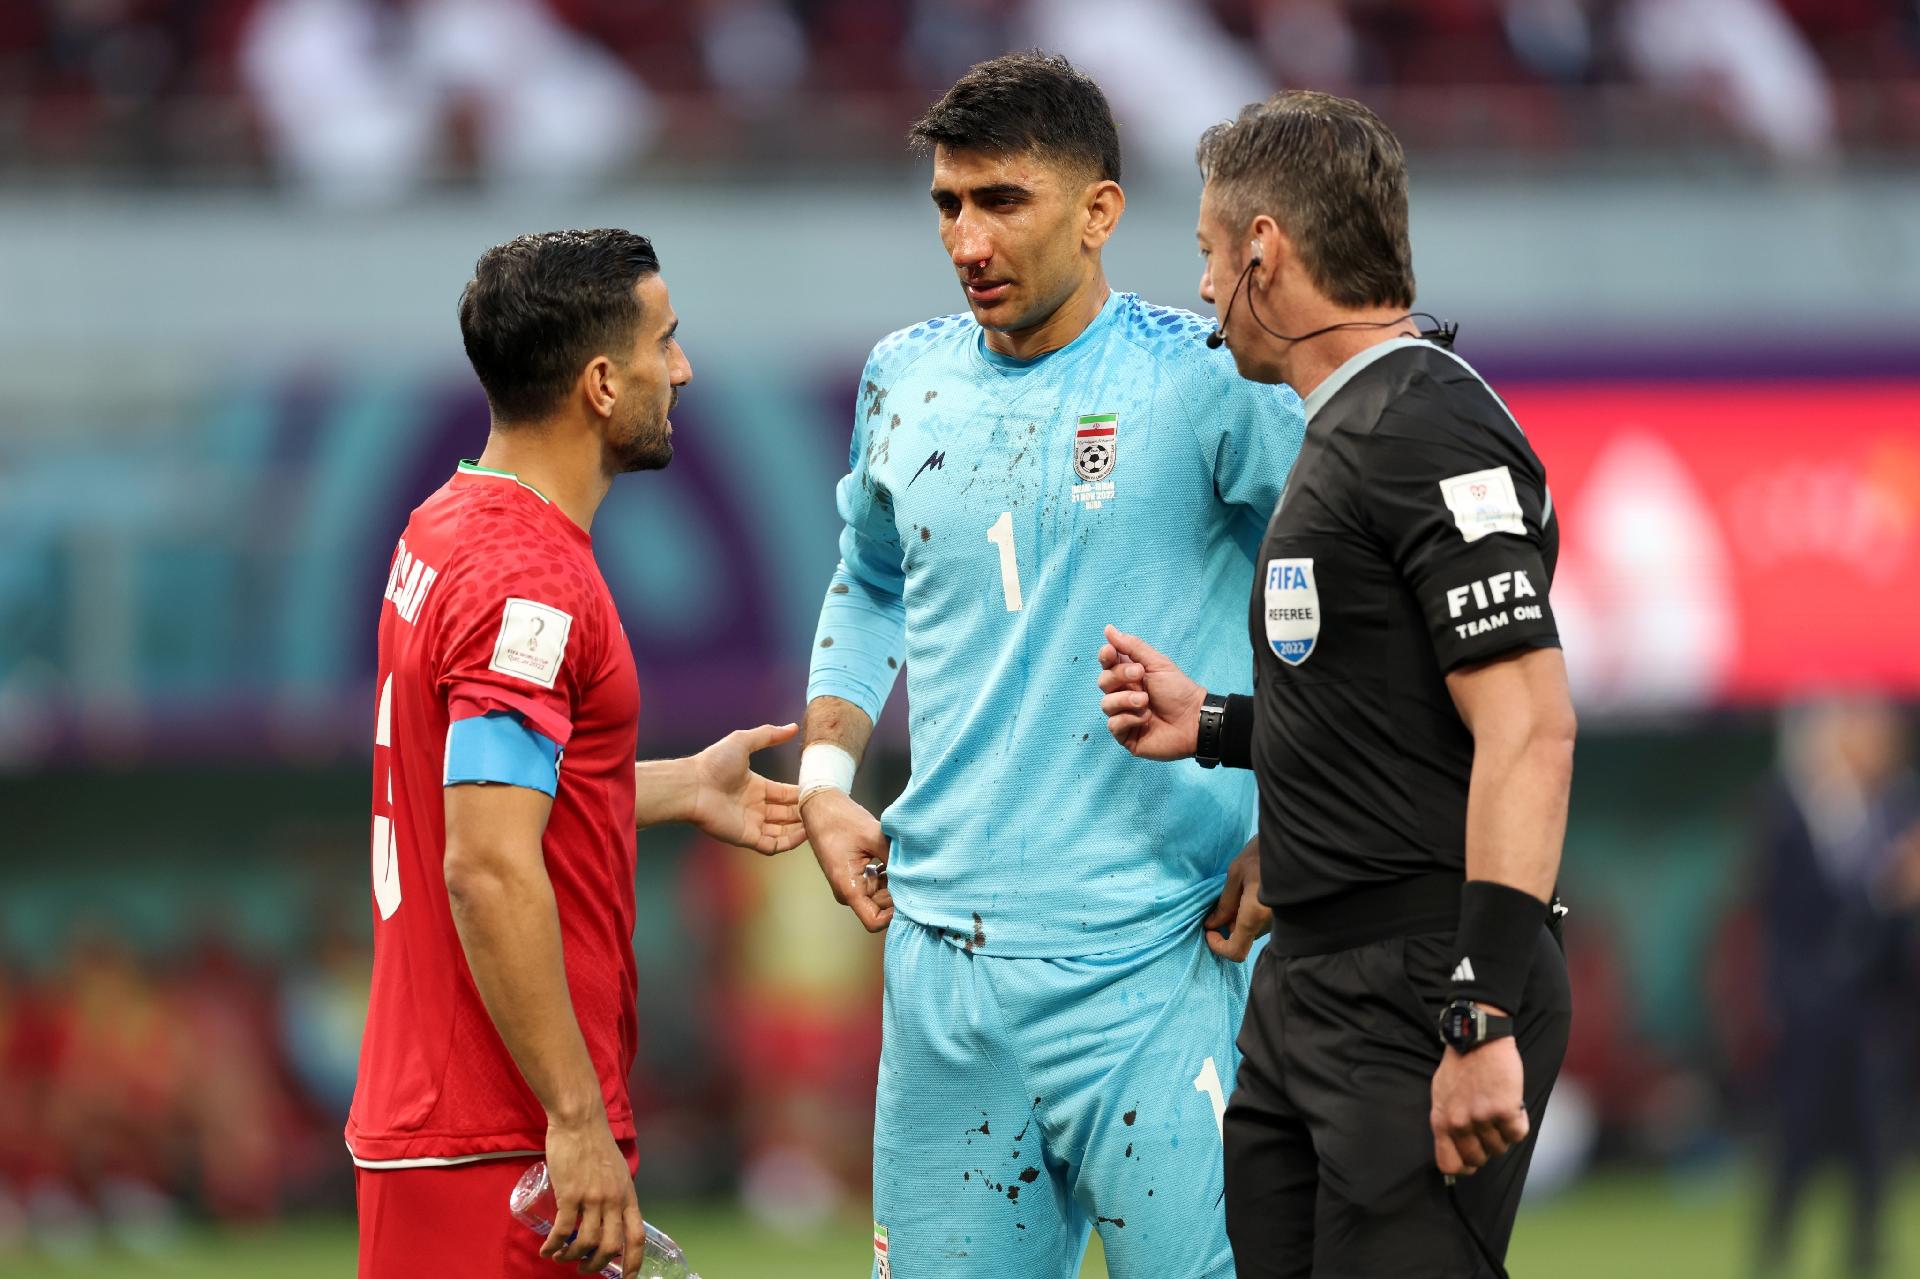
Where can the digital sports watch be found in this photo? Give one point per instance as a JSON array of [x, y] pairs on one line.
[[1465, 1025]]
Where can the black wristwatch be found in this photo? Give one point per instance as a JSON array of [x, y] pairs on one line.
[[1213, 718], [1465, 1025]]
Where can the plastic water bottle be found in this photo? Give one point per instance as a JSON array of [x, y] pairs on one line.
[[533, 1206]]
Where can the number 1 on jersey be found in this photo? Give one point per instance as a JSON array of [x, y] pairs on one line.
[[1208, 1082], [1001, 535]]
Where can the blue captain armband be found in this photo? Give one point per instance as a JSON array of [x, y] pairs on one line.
[[498, 747]]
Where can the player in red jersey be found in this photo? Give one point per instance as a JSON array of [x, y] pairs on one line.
[[506, 795]]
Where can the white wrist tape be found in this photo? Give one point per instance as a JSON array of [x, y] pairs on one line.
[[824, 766]]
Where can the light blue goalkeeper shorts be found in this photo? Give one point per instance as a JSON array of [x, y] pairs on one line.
[[1023, 1102]]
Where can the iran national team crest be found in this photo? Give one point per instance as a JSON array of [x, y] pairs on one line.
[[1096, 446], [1293, 609]]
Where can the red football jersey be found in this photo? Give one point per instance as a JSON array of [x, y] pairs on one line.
[[493, 603]]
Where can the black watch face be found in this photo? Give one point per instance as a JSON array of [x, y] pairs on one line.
[[1457, 1026]]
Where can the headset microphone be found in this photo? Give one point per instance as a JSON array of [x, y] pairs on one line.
[[1218, 338], [1441, 335]]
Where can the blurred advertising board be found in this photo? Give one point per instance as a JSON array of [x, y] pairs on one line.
[[1733, 542]]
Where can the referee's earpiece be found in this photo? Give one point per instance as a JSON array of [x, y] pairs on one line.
[[1218, 338]]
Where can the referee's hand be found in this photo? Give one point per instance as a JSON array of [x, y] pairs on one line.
[[1152, 708], [1479, 1111], [1239, 910]]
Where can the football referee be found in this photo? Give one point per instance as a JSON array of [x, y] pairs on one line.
[[1410, 730]]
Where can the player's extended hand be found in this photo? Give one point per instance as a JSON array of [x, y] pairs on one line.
[[736, 805], [846, 838], [1478, 1109], [1152, 708], [596, 1215], [1239, 906]]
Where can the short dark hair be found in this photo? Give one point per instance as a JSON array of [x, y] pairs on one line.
[[1033, 101], [540, 306], [1335, 179]]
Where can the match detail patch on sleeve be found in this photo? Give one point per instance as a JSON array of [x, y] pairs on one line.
[[532, 643], [1484, 502]]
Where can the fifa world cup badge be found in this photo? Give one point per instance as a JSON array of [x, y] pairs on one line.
[[1096, 449], [532, 642]]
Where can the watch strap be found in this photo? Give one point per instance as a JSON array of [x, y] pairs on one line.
[[1465, 1026], [1213, 718]]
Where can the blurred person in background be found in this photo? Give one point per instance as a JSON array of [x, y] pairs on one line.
[[346, 116], [1309, 42], [120, 1073], [1744, 57], [108, 70], [1136, 49], [360, 98], [753, 51], [948, 36], [129, 1090], [318, 1014], [241, 1115], [20, 1100], [1839, 848], [802, 1038], [322, 1008]]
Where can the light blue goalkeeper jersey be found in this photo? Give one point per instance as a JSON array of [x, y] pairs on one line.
[[999, 513]]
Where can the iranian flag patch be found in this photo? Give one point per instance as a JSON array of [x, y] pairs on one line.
[[1096, 449], [1096, 446], [880, 1265]]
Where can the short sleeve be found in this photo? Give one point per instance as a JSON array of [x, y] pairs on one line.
[[520, 633], [1462, 511]]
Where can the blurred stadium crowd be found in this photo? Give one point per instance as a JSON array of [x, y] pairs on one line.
[[129, 1089], [368, 99], [147, 1084]]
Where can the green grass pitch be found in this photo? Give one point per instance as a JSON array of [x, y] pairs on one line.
[[1610, 1228]]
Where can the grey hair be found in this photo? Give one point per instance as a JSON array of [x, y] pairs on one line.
[[1333, 176]]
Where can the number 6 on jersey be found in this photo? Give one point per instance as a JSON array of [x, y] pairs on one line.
[[1001, 535], [386, 846]]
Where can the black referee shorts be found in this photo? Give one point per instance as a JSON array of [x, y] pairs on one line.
[[1329, 1154]]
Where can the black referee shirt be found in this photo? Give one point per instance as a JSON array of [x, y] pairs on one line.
[[1416, 536]]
